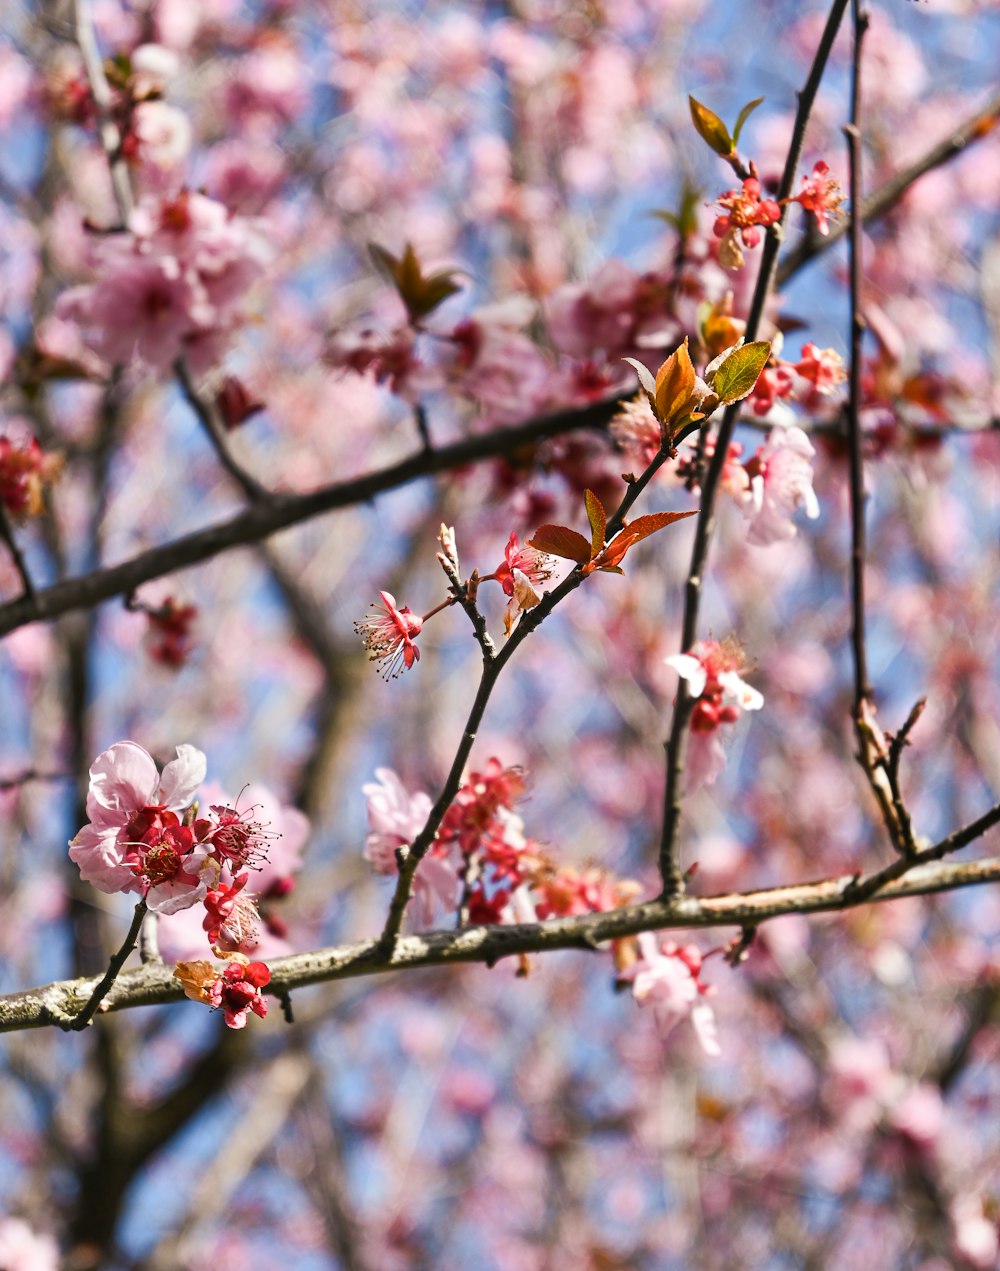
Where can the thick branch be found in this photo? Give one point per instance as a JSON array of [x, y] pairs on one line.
[[147, 985]]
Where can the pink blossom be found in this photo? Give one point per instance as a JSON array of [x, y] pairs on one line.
[[395, 818], [237, 991], [22, 1249], [821, 194], [666, 977], [390, 635], [520, 572], [780, 482], [712, 671], [141, 308], [161, 134], [134, 841], [173, 284]]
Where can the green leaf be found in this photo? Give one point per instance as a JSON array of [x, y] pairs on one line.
[[559, 540], [739, 372], [710, 128], [598, 521], [745, 114]]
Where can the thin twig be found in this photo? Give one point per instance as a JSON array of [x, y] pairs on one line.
[[210, 421], [676, 744], [20, 564], [885, 198], [110, 134], [114, 966]]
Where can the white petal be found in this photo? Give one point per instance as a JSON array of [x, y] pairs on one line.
[[703, 1019], [737, 692], [689, 668]]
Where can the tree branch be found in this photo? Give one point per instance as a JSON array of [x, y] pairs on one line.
[[921, 876]]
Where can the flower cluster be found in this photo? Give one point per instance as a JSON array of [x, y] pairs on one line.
[[389, 632], [172, 286], [666, 976], [25, 470], [711, 670], [145, 835], [745, 213], [481, 861], [235, 990]]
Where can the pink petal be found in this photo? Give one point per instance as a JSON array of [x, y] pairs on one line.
[[95, 850], [182, 777], [122, 779]]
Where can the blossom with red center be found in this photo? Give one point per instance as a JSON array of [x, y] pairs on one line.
[[821, 194], [781, 477], [237, 991], [158, 849], [134, 840], [665, 977], [25, 469], [231, 918], [518, 574], [745, 212], [235, 837], [389, 636], [712, 671]]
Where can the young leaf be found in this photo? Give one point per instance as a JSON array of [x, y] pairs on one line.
[[558, 540], [711, 128], [598, 521], [738, 373], [675, 386], [744, 115], [634, 532], [645, 378]]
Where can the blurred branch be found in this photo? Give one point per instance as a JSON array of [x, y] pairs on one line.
[[20, 564], [921, 875], [284, 510]]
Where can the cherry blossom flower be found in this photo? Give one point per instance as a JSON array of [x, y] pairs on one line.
[[389, 636], [745, 212], [236, 990], [231, 918], [25, 469], [522, 569], [780, 483], [395, 818], [173, 284], [665, 976], [637, 430], [712, 671], [821, 194], [134, 840]]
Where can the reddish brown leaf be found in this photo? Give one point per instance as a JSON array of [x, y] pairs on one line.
[[559, 540]]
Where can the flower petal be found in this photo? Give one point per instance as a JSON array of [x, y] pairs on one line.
[[182, 777]]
